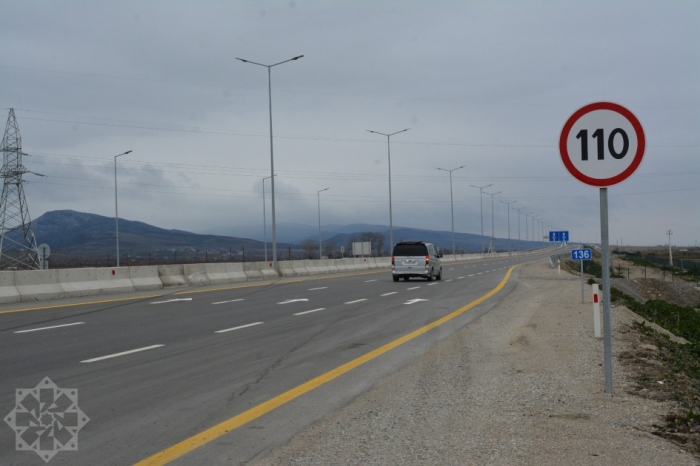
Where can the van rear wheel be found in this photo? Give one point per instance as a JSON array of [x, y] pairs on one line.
[[430, 275], [396, 278]]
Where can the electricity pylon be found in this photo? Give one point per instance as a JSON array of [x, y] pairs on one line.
[[17, 243]]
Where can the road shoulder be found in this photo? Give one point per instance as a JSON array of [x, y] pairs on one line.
[[521, 385]]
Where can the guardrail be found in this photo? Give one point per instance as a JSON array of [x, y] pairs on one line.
[[37, 285]]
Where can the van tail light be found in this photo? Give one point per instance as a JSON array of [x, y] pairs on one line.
[[427, 260], [392, 261]]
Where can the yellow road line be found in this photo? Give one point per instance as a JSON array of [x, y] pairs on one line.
[[196, 441]]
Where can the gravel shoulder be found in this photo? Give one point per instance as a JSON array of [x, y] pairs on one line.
[[522, 385]]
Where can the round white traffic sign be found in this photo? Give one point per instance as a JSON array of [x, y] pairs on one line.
[[602, 144], [44, 250]]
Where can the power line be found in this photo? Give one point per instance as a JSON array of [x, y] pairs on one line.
[[334, 94]]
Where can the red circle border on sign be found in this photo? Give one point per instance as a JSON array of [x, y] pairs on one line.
[[602, 183]]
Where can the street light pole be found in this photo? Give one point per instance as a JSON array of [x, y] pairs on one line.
[[510, 248], [265, 218], [492, 245], [388, 145], [481, 204], [272, 159], [318, 194], [519, 243], [533, 226], [452, 207], [116, 205]]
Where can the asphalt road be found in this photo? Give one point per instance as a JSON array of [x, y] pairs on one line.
[[206, 355]]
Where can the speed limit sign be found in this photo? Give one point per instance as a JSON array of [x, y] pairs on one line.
[[602, 144]]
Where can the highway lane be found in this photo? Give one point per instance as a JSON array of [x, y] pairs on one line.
[[143, 402]]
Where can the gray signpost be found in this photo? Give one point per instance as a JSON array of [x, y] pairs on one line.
[[617, 145]]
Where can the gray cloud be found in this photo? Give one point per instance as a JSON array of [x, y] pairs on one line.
[[486, 85]]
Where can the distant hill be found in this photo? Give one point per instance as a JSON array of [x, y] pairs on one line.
[[442, 239], [71, 232]]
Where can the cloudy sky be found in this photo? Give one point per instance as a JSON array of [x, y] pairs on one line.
[[487, 85]]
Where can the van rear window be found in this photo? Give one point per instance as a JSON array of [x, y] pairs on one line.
[[410, 250]]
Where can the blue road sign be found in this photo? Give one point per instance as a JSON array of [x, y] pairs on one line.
[[558, 236], [581, 255]]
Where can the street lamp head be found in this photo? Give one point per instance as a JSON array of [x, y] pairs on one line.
[[297, 58], [244, 61]]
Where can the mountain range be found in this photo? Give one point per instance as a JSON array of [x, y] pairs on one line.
[[71, 232]]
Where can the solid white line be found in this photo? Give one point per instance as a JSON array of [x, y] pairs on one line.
[[431, 284], [46, 328], [387, 294], [320, 288], [367, 281], [231, 301], [122, 353], [413, 288], [172, 300], [356, 301], [236, 328], [313, 310]]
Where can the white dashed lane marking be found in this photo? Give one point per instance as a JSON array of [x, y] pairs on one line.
[[319, 288], [123, 353], [356, 301], [172, 300], [413, 288], [229, 301], [312, 310], [48, 328], [239, 327], [387, 294], [288, 301]]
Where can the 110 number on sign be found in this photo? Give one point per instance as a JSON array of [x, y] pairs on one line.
[[581, 254]]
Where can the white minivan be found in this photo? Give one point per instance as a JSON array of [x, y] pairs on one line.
[[415, 259]]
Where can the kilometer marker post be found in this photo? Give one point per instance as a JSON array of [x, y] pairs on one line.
[[617, 153]]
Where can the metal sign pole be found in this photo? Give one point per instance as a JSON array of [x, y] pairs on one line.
[[582, 296], [607, 320]]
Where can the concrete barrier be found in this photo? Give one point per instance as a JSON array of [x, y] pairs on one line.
[[172, 275], [361, 263], [115, 280], [331, 264], [316, 267], [299, 268], [78, 282], [217, 273], [341, 266], [8, 290], [287, 269], [372, 262], [383, 262], [145, 278], [236, 273], [268, 270], [196, 274], [35, 285], [252, 271]]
